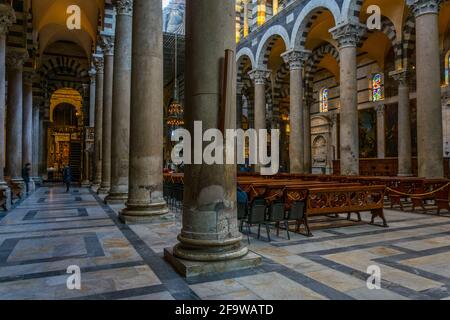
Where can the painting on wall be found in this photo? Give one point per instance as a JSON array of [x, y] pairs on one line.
[[367, 133], [391, 131]]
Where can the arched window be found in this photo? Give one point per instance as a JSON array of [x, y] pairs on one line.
[[324, 100], [377, 87]]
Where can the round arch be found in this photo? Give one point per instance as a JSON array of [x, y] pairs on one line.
[[303, 21], [66, 96], [265, 44]]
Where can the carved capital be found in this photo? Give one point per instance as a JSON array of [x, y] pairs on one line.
[[123, 7], [92, 74], [15, 59], [380, 108], [7, 18], [259, 76], [420, 7], [99, 64], [296, 58], [401, 76], [348, 34], [107, 45], [28, 77]]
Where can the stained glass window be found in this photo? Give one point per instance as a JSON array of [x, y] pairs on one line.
[[324, 100], [377, 87]]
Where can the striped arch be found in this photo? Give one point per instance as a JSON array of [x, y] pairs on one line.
[[409, 39], [316, 57], [267, 42], [53, 86], [280, 85], [352, 8], [64, 65], [307, 17], [387, 28], [244, 57]]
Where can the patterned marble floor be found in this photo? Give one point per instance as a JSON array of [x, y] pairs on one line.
[[52, 230]]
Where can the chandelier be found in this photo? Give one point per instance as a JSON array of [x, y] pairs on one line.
[[175, 112]]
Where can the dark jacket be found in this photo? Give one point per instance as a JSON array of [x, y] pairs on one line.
[[26, 174], [67, 175]]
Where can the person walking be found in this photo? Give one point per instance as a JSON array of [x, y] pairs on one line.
[[26, 176], [67, 177]]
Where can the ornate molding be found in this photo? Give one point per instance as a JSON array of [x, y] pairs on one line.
[[15, 59], [348, 34], [123, 7], [401, 76], [7, 18], [107, 45], [420, 7], [296, 58], [99, 64], [259, 76]]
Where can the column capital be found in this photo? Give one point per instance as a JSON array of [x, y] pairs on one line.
[[400, 75], [296, 58], [28, 77], [92, 73], [107, 45], [99, 64], [7, 18], [420, 7], [259, 76], [348, 33], [123, 7], [15, 59]]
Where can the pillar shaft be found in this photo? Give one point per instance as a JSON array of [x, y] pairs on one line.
[[307, 135], [120, 134], [381, 131], [107, 44], [98, 130], [348, 36], [27, 120], [404, 124], [15, 61], [35, 146], [145, 194], [429, 110], [92, 89], [210, 229], [295, 60]]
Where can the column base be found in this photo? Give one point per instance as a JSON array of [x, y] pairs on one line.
[[116, 198], [7, 195], [19, 182], [134, 214], [103, 190], [405, 175], [189, 268], [86, 184]]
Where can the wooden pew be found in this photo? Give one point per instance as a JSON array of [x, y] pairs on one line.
[[325, 201]]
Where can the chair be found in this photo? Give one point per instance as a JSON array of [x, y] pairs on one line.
[[297, 213], [242, 214], [257, 216], [277, 215]]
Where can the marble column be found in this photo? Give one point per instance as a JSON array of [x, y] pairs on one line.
[[209, 239], [35, 145], [347, 35], [429, 109], [92, 89], [7, 18], [98, 130], [296, 59], [145, 194], [27, 122], [259, 77], [239, 103], [307, 129], [404, 124], [14, 61], [120, 136], [381, 131], [107, 45]]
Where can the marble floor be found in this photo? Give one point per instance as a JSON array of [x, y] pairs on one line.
[[51, 230]]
